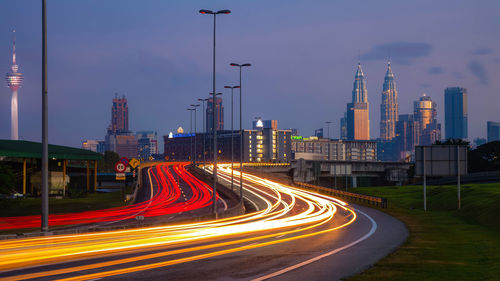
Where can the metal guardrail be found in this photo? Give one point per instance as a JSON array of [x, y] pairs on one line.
[[266, 164], [378, 201]]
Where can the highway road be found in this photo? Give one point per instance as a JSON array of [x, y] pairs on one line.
[[293, 235]]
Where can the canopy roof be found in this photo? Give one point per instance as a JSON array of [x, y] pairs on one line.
[[29, 149]]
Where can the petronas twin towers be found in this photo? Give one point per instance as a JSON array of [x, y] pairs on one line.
[[358, 121]]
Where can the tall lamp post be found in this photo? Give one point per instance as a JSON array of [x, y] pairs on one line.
[[45, 125], [328, 126], [208, 12], [195, 153], [241, 132], [191, 131], [204, 131], [232, 134]]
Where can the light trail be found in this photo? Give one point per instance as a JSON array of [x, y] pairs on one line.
[[291, 214], [164, 201]]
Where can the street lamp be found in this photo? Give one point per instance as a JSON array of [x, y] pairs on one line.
[[241, 132], [195, 153], [191, 130], [226, 12], [232, 134], [328, 124], [45, 126], [204, 131]]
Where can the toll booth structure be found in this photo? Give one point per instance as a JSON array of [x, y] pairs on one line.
[[25, 157]]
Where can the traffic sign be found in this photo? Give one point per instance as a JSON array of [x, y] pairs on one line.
[[124, 160], [120, 176], [120, 167], [133, 163]]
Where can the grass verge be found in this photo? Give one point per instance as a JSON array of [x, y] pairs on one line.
[[31, 206], [444, 243]]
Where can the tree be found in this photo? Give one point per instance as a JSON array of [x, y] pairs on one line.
[[107, 163], [7, 179], [485, 157]]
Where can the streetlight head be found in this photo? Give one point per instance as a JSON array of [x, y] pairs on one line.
[[218, 94], [206, 12], [234, 64], [227, 87], [227, 12], [246, 64], [236, 87]]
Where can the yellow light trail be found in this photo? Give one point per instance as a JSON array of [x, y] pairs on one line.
[[282, 216]]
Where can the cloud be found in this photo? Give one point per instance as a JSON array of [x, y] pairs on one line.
[[497, 60], [478, 70], [401, 52], [482, 51], [435, 70]]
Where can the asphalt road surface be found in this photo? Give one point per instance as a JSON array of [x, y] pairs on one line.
[[292, 235]]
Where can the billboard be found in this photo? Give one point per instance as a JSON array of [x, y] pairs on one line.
[[440, 160]]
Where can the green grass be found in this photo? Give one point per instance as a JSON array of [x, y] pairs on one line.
[[32, 206], [444, 243]]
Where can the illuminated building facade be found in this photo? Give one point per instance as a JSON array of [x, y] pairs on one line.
[[314, 148], [389, 109], [427, 130], [358, 122], [260, 145]]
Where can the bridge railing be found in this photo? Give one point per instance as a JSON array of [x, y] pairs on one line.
[[264, 164], [378, 201]]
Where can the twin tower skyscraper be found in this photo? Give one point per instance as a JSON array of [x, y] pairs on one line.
[[356, 121]]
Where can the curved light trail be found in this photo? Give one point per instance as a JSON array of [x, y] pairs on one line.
[[163, 201], [290, 214]]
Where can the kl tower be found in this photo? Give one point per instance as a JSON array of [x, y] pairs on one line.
[[14, 80]]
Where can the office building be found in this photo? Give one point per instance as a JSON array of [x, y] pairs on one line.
[[427, 130], [343, 127], [493, 131], [455, 110], [478, 142], [358, 122], [266, 124], [389, 108], [314, 148], [94, 145], [119, 116], [219, 108], [260, 145], [147, 144], [319, 133]]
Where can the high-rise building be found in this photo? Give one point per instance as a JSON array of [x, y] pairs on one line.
[[147, 144], [14, 81], [265, 124], [319, 133], [209, 114], [427, 130], [119, 116], [455, 110], [358, 122], [94, 145], [343, 127], [389, 109], [493, 131]]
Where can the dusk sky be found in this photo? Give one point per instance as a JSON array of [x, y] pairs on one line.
[[303, 55]]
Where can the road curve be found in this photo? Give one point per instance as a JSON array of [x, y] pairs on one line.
[[298, 234]]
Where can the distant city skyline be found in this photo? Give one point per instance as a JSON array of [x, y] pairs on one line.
[[157, 53]]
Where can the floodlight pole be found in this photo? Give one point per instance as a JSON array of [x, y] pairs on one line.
[[45, 122], [425, 179], [458, 174]]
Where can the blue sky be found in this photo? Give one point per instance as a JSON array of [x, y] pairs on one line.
[[303, 55]]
